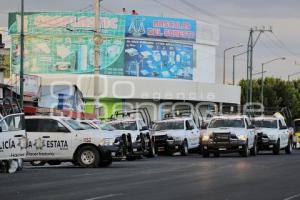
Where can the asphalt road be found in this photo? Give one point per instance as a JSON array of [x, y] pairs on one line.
[[193, 177]]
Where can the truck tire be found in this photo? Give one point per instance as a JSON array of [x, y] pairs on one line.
[[289, 148], [253, 150], [151, 150], [184, 149], [37, 163], [216, 154], [88, 157], [54, 162], [205, 153], [276, 149], [245, 150]]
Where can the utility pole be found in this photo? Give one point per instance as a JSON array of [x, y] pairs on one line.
[[22, 57], [97, 42], [251, 44]]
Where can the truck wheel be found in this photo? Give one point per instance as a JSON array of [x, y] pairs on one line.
[[216, 154], [37, 163], [151, 150], [130, 157], [88, 157], [245, 150], [205, 153], [253, 150], [276, 149], [289, 148], [54, 162], [184, 149]]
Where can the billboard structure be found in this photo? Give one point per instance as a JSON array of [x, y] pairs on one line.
[[133, 45]]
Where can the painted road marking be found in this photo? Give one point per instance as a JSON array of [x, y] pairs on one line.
[[292, 197], [105, 196]]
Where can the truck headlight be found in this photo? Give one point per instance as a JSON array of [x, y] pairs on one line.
[[242, 137], [205, 137]]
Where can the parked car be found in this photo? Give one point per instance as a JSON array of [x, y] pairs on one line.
[[176, 135], [226, 134], [273, 134], [139, 138], [55, 139], [119, 147]]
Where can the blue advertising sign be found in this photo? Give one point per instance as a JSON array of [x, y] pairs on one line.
[[160, 27], [158, 59]]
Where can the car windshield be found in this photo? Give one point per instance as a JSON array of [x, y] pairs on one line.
[[227, 123], [171, 125], [106, 127], [74, 124], [265, 123], [128, 126], [87, 126]]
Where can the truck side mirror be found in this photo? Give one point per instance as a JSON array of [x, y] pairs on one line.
[[1, 129]]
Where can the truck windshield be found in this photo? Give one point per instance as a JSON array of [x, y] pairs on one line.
[[87, 126], [74, 124], [265, 123], [175, 125], [227, 123], [128, 126]]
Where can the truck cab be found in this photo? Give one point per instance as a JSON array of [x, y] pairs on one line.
[[226, 134], [55, 139], [273, 134], [178, 134], [13, 138]]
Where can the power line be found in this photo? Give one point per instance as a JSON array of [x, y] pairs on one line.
[[194, 17], [195, 7], [282, 45]]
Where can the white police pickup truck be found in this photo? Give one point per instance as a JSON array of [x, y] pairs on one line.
[[114, 142], [12, 142], [273, 134], [54, 139], [179, 134], [226, 134], [139, 136]]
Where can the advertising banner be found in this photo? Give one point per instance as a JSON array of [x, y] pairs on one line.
[[63, 43], [70, 23], [160, 27], [158, 59]]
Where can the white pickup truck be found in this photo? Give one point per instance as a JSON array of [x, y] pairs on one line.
[[226, 134], [12, 142], [54, 139], [179, 134], [273, 134]]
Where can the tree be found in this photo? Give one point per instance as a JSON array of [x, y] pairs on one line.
[[278, 93]]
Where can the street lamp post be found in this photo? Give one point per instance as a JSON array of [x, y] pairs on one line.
[[262, 76], [224, 64], [233, 66], [22, 57]]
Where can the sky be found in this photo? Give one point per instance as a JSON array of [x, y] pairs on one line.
[[234, 17]]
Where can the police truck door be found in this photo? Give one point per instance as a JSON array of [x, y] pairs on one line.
[[48, 139], [12, 137]]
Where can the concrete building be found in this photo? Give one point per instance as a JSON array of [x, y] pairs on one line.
[[153, 62]]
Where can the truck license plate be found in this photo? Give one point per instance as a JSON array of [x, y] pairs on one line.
[[135, 149], [161, 149], [113, 154], [222, 149]]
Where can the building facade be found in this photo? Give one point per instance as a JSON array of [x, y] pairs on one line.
[[154, 62]]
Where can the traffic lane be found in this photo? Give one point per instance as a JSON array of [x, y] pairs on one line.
[[229, 177]]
